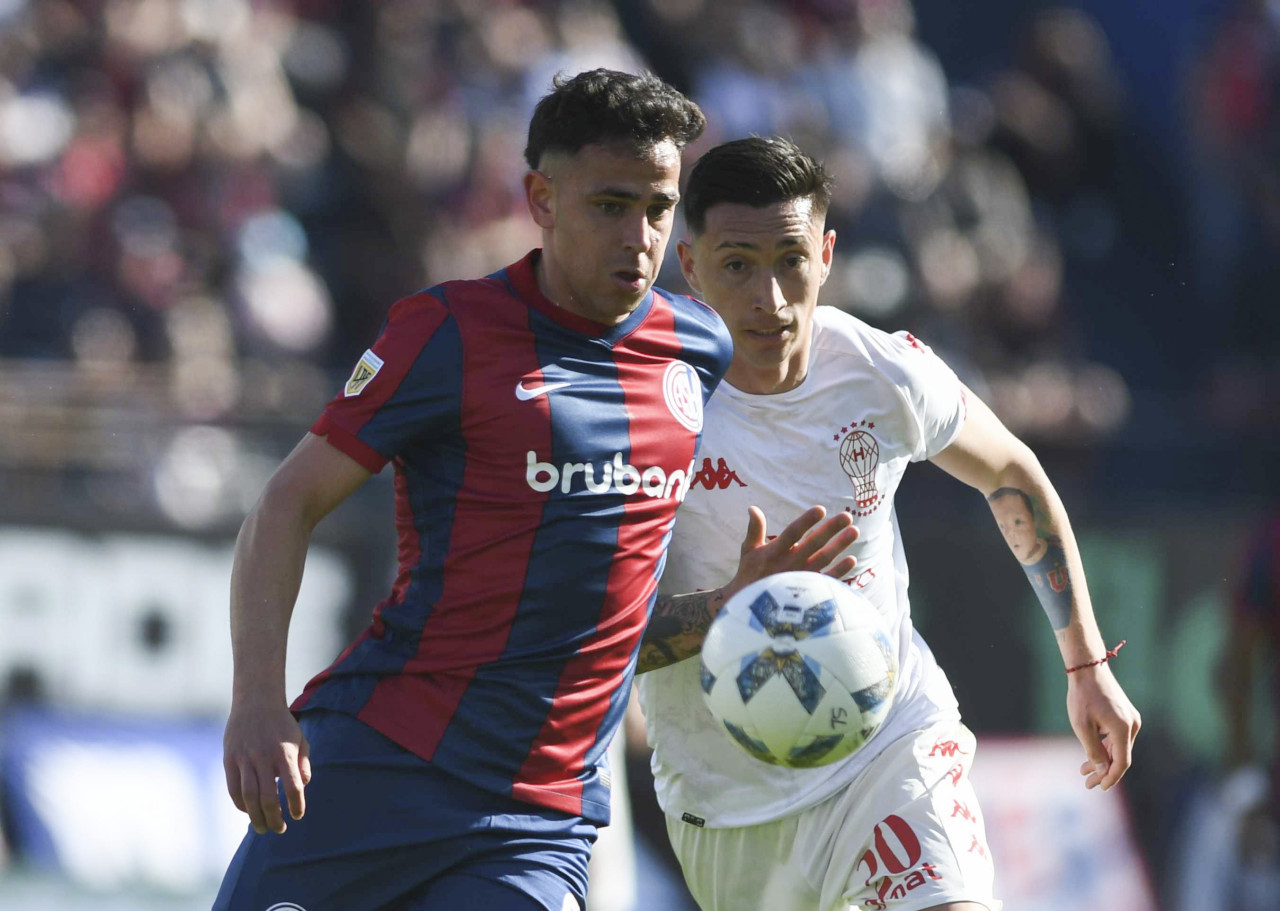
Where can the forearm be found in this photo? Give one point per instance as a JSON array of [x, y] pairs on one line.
[[1057, 577], [266, 574], [677, 628]]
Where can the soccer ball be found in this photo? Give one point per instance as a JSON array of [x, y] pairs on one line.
[[798, 669]]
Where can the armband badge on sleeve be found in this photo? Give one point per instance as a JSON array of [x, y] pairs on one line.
[[366, 369]]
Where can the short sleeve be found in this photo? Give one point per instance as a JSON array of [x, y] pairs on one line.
[[708, 347], [933, 392], [405, 388]]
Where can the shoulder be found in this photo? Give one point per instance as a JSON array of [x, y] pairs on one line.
[[419, 309], [428, 309], [899, 357], [699, 327], [695, 312]]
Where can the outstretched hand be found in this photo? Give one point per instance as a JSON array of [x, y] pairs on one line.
[[811, 542], [259, 746], [1105, 722]]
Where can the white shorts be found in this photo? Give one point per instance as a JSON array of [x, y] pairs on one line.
[[905, 835]]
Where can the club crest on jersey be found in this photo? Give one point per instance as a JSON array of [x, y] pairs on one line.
[[860, 458], [683, 391], [366, 369]]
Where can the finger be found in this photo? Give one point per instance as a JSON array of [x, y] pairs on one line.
[[232, 772], [821, 535], [304, 760], [801, 524], [1097, 754], [837, 544], [268, 800], [291, 778], [756, 527], [1121, 743], [251, 799], [841, 568]]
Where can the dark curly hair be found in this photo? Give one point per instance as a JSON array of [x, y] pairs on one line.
[[758, 172], [601, 106]]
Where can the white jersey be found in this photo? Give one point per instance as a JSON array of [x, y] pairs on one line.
[[870, 404]]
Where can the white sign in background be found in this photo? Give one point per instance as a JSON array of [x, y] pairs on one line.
[[75, 611], [1056, 846], [126, 801]]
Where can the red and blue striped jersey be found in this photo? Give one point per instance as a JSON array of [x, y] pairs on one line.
[[539, 460]]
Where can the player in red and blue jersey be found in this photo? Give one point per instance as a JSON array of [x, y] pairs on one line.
[[543, 424]]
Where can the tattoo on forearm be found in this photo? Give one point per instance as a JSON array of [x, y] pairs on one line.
[[1042, 556], [677, 628]]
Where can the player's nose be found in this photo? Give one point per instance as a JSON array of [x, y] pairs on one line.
[[768, 296], [636, 233]]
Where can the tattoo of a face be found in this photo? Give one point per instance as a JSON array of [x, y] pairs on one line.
[[1042, 556]]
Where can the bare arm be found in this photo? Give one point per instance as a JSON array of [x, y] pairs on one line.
[[1031, 516], [262, 741], [680, 622]]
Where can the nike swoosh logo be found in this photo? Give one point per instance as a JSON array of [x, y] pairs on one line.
[[524, 393]]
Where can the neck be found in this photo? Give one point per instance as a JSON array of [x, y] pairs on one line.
[[767, 380]]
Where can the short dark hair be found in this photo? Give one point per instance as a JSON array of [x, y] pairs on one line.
[[602, 106], [757, 171], [1011, 492]]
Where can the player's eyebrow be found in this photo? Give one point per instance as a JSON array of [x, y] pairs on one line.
[[748, 245], [620, 193]]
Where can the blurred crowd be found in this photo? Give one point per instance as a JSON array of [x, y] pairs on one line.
[[208, 205]]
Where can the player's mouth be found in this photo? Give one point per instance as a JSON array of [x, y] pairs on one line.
[[772, 334], [631, 279]]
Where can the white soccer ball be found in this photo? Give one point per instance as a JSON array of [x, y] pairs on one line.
[[798, 669]]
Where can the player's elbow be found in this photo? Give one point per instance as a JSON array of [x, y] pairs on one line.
[[286, 500], [1021, 466]]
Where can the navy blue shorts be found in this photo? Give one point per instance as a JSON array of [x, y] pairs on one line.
[[385, 830]]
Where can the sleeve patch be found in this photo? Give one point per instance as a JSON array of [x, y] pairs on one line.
[[366, 369]]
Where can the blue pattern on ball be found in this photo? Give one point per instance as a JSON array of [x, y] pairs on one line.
[[811, 754], [755, 747], [707, 679], [870, 698], [791, 620], [796, 670]]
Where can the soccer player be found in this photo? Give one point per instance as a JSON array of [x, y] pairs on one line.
[[819, 407], [543, 424]]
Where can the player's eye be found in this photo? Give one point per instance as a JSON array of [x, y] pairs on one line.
[[659, 212], [609, 207], [735, 265], [795, 260]]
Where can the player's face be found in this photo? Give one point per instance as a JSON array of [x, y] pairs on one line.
[[606, 214], [1017, 525], [761, 269]]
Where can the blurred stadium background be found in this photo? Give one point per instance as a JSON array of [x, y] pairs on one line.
[[207, 206]]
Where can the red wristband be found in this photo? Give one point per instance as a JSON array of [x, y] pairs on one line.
[[1103, 660]]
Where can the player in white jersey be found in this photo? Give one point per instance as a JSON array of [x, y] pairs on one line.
[[818, 407]]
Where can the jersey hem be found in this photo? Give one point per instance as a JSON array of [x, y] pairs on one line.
[[835, 784], [349, 444], [548, 798]]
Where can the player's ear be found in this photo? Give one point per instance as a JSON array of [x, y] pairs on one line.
[[828, 253], [539, 193], [684, 250]]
